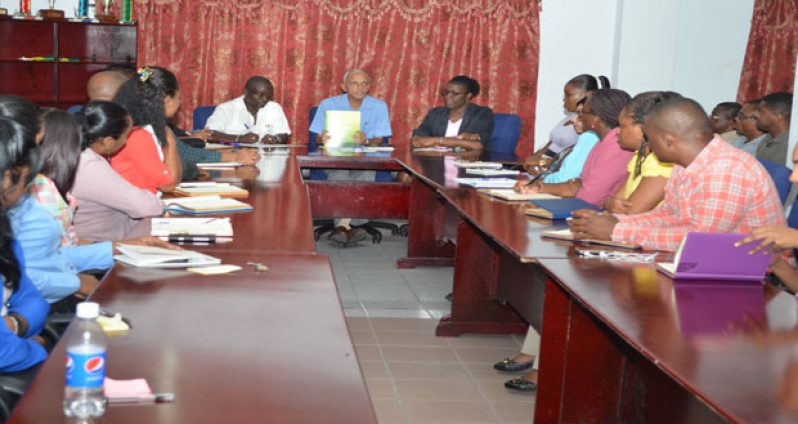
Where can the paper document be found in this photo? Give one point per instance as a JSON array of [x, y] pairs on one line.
[[513, 196], [477, 164], [491, 172], [158, 257], [487, 182], [341, 126]]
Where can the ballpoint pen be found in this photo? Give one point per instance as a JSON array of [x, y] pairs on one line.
[[153, 398]]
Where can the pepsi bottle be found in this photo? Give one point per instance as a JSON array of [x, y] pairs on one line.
[[85, 370]]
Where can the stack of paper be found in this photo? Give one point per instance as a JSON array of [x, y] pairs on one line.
[[487, 182], [210, 188], [513, 196], [157, 257], [491, 172], [205, 205], [202, 230], [477, 164]]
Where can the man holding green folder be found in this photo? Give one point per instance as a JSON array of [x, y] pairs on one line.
[[351, 118]]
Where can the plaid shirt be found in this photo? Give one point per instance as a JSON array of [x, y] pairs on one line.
[[722, 190]]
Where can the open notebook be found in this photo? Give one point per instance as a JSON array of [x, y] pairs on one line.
[[713, 256], [490, 172], [205, 205], [157, 257], [567, 235], [477, 164], [512, 196], [487, 182], [210, 188]]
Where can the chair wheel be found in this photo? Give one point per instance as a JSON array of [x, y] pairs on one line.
[[403, 230], [376, 238]]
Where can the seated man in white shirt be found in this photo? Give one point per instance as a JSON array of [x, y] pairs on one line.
[[251, 117]]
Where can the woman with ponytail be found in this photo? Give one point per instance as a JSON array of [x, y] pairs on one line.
[[23, 310], [645, 185], [150, 158], [461, 124], [111, 208]]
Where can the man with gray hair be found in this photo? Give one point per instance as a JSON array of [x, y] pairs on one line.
[[375, 125]]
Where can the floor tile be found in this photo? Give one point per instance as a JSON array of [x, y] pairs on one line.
[[449, 412], [437, 314], [358, 323], [436, 390], [515, 412], [497, 392], [355, 312], [380, 324], [389, 411], [363, 337], [418, 354], [487, 355], [374, 370], [497, 341], [381, 388], [384, 292], [368, 353], [485, 373], [397, 313], [436, 371], [409, 338]]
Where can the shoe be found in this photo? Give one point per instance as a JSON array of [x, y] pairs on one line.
[[508, 365], [521, 385]]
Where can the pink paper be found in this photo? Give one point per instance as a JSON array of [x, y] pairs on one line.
[[126, 388]]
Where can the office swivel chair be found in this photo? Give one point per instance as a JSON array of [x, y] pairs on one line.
[[201, 115], [506, 131], [322, 226]]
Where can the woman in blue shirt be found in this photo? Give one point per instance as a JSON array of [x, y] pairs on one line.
[[23, 309]]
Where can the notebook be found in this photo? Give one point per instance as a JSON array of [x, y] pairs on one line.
[[488, 182], [513, 196], [477, 164], [491, 172], [190, 230], [158, 257], [557, 208], [713, 256], [210, 188], [205, 205], [341, 126], [567, 235]]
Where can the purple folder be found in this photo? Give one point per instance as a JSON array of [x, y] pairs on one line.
[[713, 256]]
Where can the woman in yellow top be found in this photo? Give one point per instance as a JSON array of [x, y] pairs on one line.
[[645, 186]]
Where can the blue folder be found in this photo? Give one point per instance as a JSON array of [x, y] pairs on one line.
[[558, 208]]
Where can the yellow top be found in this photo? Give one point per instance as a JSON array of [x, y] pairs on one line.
[[651, 167]]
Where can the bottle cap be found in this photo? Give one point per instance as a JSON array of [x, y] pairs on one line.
[[88, 310]]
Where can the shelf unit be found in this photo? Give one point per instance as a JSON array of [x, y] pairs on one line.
[[55, 83]]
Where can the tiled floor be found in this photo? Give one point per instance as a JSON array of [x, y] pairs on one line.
[[413, 376]]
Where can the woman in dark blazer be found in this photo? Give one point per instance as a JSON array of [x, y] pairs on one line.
[[461, 123]]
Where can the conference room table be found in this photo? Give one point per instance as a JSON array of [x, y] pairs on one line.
[[620, 342]]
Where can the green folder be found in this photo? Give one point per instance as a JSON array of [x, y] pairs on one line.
[[341, 126]]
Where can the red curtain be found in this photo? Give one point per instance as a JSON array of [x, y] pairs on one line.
[[769, 64], [410, 48]]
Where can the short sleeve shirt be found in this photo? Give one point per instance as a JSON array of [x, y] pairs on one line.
[[651, 167], [374, 119]]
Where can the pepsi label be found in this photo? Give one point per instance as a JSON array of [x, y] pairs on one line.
[[85, 370]]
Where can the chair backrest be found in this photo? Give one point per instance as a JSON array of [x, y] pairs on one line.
[[312, 135], [781, 177], [75, 108], [201, 115], [506, 131]]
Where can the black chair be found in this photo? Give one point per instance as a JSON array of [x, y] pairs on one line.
[[12, 387], [323, 226]]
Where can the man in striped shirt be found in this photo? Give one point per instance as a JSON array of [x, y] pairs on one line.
[[713, 188]]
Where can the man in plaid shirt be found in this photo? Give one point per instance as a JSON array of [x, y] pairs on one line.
[[714, 188]]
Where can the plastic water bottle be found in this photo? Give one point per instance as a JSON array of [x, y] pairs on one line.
[[85, 370]]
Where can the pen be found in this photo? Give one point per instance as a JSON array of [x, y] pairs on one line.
[[153, 398]]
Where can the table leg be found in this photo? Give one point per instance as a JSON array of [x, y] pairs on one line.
[[425, 244], [475, 300]]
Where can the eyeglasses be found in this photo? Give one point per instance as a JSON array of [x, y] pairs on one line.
[[445, 93], [741, 117]]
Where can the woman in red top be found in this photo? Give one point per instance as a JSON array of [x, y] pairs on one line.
[[150, 159]]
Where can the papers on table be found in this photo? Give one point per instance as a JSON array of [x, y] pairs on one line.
[[205, 205], [477, 164], [567, 235], [192, 230], [488, 182], [210, 188], [491, 172], [218, 165], [512, 196], [157, 257], [360, 149]]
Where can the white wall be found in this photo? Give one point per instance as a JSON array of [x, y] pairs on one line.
[[693, 47]]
